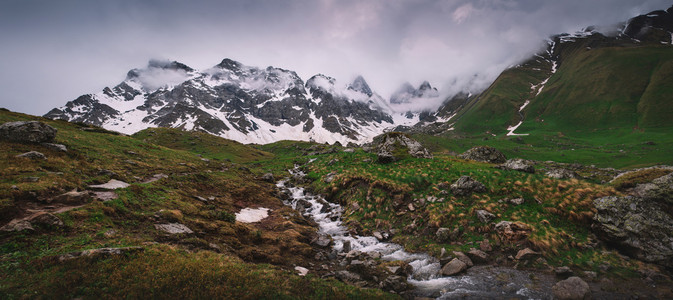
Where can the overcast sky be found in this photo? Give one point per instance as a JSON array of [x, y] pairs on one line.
[[53, 51]]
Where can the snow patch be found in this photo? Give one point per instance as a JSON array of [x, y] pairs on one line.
[[252, 215]]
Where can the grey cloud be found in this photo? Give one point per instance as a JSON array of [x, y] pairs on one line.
[[53, 51]]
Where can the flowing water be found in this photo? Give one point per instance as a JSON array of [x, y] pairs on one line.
[[478, 282]]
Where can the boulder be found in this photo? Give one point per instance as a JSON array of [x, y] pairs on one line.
[[268, 177], [445, 235], [393, 146], [322, 240], [573, 288], [484, 154], [55, 147], [72, 197], [485, 246], [485, 216], [173, 228], [526, 254], [518, 164], [639, 227], [512, 231], [464, 258], [27, 132], [561, 174], [32, 155], [455, 266], [45, 219], [17, 225], [394, 283], [516, 201], [477, 256], [660, 189], [465, 186]]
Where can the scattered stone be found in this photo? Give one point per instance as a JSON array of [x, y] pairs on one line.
[[45, 218], [512, 231], [105, 196], [465, 186], [411, 207], [330, 177], [485, 246], [485, 216], [516, 201], [268, 177], [100, 252], [518, 164], [478, 256], [27, 132], [454, 267], [349, 150], [17, 225], [113, 184], [110, 233], [526, 254], [377, 235], [563, 272], [484, 154], [301, 271], [173, 228], [573, 288], [30, 179], [394, 283], [562, 174], [443, 235], [591, 275], [393, 146], [639, 227], [348, 277], [204, 200], [155, 177], [32, 155], [322, 240], [464, 258], [55, 147], [72, 197]]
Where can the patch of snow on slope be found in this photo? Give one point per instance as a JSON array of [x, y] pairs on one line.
[[511, 129], [252, 215]]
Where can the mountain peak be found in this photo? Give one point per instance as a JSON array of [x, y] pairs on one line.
[[168, 65], [360, 85], [229, 64]]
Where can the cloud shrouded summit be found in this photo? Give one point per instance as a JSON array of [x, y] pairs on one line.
[[54, 51]]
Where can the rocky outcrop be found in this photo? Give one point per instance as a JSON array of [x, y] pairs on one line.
[[32, 155], [484, 154], [561, 174], [394, 146], [173, 228], [573, 288], [639, 227], [660, 189], [512, 231], [518, 164], [465, 186], [33, 132]]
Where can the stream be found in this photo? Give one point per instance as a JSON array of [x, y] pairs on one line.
[[478, 282]]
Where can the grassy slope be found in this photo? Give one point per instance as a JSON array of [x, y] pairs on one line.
[[177, 267]]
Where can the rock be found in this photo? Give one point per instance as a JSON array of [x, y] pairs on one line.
[[660, 189], [45, 218], [377, 235], [573, 288], [465, 186], [443, 235], [155, 177], [348, 277], [32, 155], [561, 174], [591, 275], [330, 177], [173, 228], [394, 283], [485, 246], [322, 240], [526, 254], [113, 184], [27, 132], [411, 207], [301, 271], [455, 266], [485, 216], [516, 201], [105, 196], [268, 177], [512, 231], [100, 252], [72, 197], [17, 225], [484, 154], [55, 147], [478, 256], [518, 164], [393, 146], [638, 227], [30, 179], [464, 258], [563, 272]]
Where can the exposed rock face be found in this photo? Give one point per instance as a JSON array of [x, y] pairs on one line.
[[573, 288], [27, 132], [562, 174], [485, 216], [660, 189], [113, 184], [518, 164], [100, 252], [484, 154], [394, 146], [512, 231], [173, 228], [526, 254], [32, 155], [465, 186], [640, 227]]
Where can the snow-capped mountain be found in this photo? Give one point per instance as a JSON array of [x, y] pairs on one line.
[[238, 102], [407, 93]]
